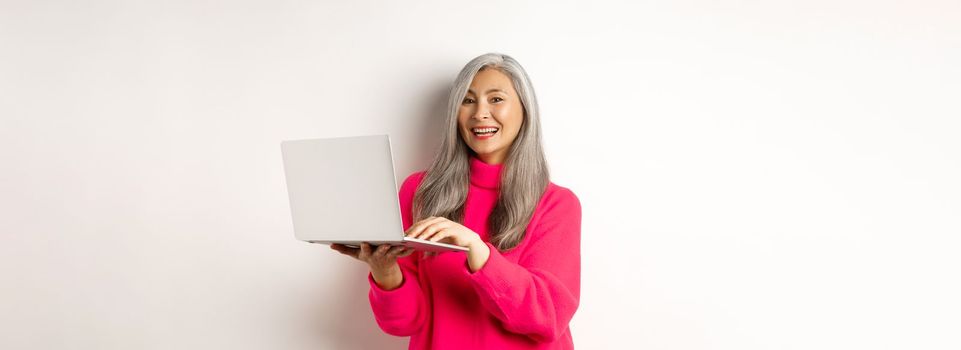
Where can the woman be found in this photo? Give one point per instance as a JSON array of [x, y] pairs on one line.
[[488, 190]]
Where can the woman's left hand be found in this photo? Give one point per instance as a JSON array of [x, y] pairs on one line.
[[436, 229], [440, 229]]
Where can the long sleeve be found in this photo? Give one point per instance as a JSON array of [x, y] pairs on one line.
[[401, 311], [538, 295]]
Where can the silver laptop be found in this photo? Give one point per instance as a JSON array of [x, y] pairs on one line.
[[343, 190]]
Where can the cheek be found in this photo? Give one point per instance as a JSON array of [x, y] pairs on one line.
[[464, 116], [460, 122], [513, 120]]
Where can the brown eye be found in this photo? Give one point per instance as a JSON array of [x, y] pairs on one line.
[[496, 98], [468, 100]]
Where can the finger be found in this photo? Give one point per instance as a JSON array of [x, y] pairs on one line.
[[381, 251], [364, 251], [416, 229], [418, 226], [406, 252], [433, 228], [437, 228], [396, 251], [439, 236], [340, 248]]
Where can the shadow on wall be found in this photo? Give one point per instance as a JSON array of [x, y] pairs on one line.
[[345, 320], [431, 120], [420, 128]]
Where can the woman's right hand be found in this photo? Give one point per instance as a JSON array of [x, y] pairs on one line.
[[382, 261]]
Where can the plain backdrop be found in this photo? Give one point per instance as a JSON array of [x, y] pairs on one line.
[[754, 175]]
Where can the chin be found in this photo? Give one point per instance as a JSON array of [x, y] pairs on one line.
[[485, 150]]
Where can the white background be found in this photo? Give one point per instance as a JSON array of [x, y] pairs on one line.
[[753, 174]]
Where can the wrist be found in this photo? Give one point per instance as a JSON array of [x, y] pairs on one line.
[[478, 245], [387, 278], [477, 256]]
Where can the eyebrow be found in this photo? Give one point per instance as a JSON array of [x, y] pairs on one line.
[[488, 91]]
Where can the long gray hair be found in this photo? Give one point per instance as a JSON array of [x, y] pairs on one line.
[[524, 175]]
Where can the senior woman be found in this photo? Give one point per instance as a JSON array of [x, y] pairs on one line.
[[488, 189]]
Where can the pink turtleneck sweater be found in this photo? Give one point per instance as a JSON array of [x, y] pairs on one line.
[[520, 299]]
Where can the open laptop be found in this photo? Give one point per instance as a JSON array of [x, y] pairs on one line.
[[343, 190]]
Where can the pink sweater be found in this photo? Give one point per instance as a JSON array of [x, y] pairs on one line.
[[520, 299]]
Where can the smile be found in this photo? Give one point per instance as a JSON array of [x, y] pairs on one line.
[[484, 132]]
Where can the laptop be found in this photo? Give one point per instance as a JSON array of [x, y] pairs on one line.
[[344, 190]]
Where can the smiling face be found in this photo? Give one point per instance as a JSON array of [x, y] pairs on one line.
[[490, 116]]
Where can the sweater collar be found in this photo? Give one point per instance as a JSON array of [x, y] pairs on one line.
[[483, 174]]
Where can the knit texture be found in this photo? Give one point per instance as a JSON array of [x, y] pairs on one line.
[[523, 298]]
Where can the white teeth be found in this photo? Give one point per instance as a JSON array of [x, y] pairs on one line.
[[484, 130]]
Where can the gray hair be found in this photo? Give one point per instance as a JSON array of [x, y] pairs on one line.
[[524, 175]]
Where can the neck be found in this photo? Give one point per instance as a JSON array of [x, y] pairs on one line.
[[492, 158]]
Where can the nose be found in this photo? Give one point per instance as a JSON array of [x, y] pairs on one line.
[[482, 112]]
